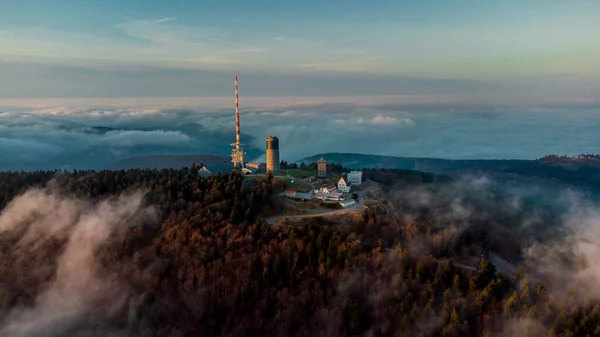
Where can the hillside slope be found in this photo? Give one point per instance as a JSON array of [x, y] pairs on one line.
[[168, 253]]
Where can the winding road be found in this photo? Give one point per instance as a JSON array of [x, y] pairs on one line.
[[507, 268]]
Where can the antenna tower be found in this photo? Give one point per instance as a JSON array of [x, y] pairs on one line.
[[237, 153]]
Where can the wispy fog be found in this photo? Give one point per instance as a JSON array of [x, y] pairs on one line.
[[82, 137], [77, 295]]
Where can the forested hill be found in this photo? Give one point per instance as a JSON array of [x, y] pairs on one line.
[[435, 165], [207, 264], [582, 170]]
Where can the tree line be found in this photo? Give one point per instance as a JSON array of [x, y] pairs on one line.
[[214, 267]]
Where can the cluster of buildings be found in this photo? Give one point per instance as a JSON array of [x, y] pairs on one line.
[[340, 191], [331, 193]]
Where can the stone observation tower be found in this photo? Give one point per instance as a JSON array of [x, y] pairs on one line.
[[273, 154], [322, 168]]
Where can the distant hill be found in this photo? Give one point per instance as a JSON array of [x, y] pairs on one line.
[[212, 163], [582, 171], [434, 165], [110, 145]]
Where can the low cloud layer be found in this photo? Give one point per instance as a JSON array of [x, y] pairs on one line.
[[570, 258], [492, 216], [83, 137], [77, 294], [551, 230]]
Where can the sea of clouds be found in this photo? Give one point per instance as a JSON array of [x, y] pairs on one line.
[[92, 137]]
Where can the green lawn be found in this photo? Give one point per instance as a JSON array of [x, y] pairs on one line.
[[297, 186], [297, 173]]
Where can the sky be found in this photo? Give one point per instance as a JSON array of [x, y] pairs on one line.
[[183, 48], [87, 83]]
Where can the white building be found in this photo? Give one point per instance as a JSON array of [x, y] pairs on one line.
[[322, 168], [347, 203], [204, 171], [256, 167], [304, 195], [343, 186], [336, 196], [355, 177], [328, 189], [333, 196], [290, 193]]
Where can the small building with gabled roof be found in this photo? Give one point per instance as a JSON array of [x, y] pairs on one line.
[[343, 186]]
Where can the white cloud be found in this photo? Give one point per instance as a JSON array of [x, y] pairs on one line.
[[388, 120], [340, 121], [457, 51], [86, 111], [167, 42], [120, 139], [213, 60], [164, 44], [208, 104], [165, 19], [350, 66], [80, 136], [347, 51]]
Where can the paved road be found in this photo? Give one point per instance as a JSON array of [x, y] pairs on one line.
[[504, 266], [464, 266], [507, 268]]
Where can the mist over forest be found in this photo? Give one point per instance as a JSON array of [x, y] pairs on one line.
[[172, 253]]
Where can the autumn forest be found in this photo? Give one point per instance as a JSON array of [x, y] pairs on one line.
[[196, 257]]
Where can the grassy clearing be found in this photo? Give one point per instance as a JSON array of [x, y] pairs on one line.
[[298, 186], [298, 174]]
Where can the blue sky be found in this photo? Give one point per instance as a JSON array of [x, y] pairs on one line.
[[57, 48], [526, 74]]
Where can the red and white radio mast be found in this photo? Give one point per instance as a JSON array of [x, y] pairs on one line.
[[237, 154]]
